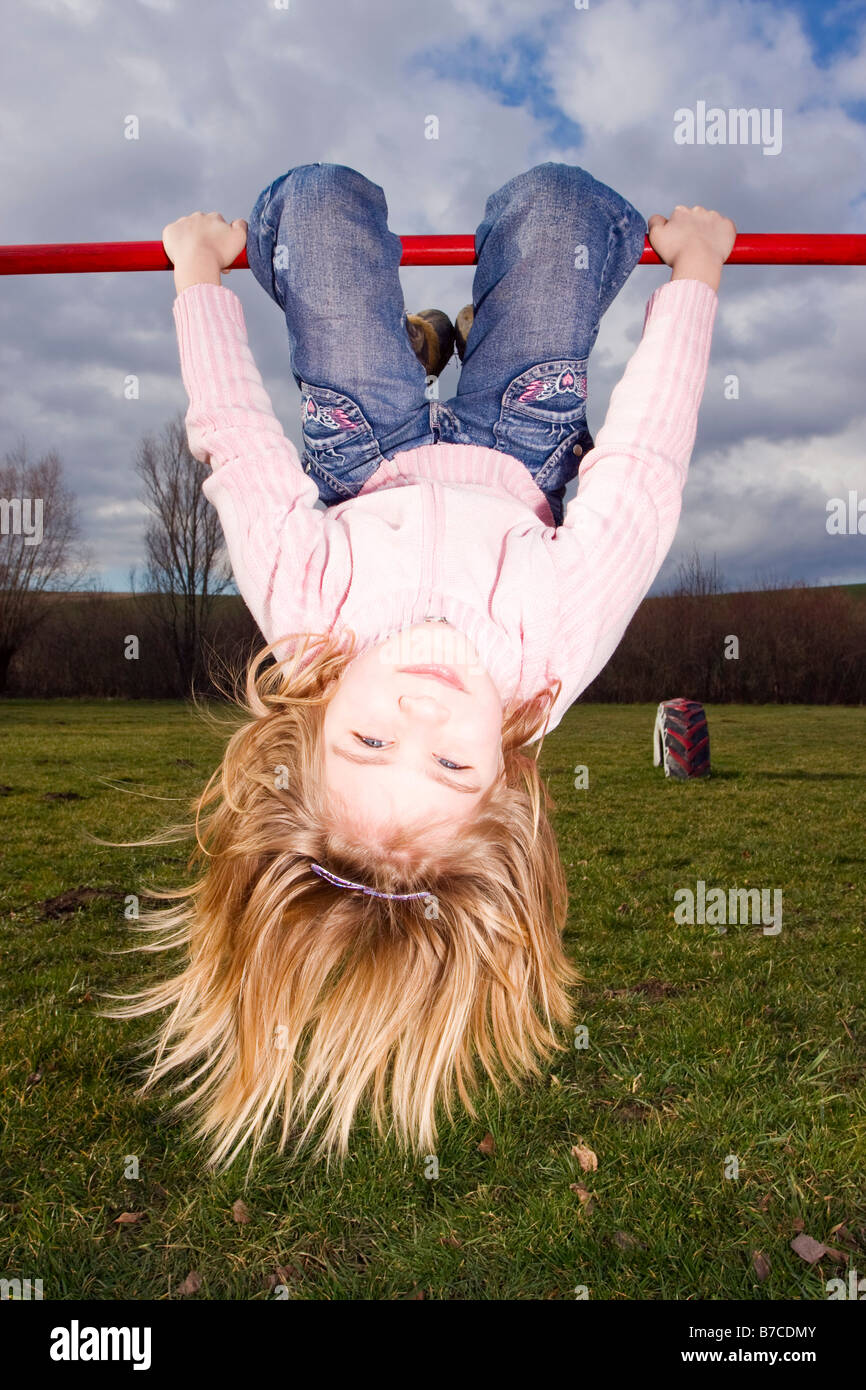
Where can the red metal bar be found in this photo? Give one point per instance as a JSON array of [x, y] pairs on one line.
[[750, 248]]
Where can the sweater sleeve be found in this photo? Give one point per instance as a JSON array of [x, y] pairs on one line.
[[265, 500], [620, 526]]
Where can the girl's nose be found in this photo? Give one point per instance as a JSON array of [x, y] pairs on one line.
[[425, 707]]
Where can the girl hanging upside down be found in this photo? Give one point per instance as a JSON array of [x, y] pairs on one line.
[[381, 901]]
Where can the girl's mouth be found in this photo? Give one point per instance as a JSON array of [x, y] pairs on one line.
[[446, 674]]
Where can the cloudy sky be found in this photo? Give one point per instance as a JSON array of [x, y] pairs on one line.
[[229, 95]]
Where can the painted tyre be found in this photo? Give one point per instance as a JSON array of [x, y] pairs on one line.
[[681, 739]]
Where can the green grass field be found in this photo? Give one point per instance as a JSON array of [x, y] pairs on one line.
[[701, 1045]]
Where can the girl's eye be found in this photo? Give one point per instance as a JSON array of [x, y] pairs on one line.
[[444, 762]]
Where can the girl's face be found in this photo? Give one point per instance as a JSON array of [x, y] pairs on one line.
[[403, 743]]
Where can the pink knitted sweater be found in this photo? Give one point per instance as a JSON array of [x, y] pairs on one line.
[[453, 530]]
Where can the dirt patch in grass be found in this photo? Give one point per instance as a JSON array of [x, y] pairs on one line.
[[655, 989], [72, 899]]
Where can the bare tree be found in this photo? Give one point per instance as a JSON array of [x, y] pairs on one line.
[[695, 579], [185, 554], [39, 551]]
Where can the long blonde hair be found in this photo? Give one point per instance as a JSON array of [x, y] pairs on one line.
[[300, 999]]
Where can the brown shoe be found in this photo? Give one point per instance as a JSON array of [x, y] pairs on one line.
[[462, 325], [431, 334]]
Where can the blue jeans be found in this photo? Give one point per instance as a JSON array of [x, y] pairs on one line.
[[554, 249]]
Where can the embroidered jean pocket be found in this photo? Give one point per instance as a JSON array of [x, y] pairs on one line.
[[542, 407], [340, 448]]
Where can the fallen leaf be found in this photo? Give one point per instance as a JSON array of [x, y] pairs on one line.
[[625, 1241], [585, 1196], [585, 1157], [240, 1212], [798, 1223], [839, 1257], [33, 1079], [128, 1218], [841, 1232], [808, 1249], [761, 1266], [191, 1284], [487, 1146], [451, 1240]]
